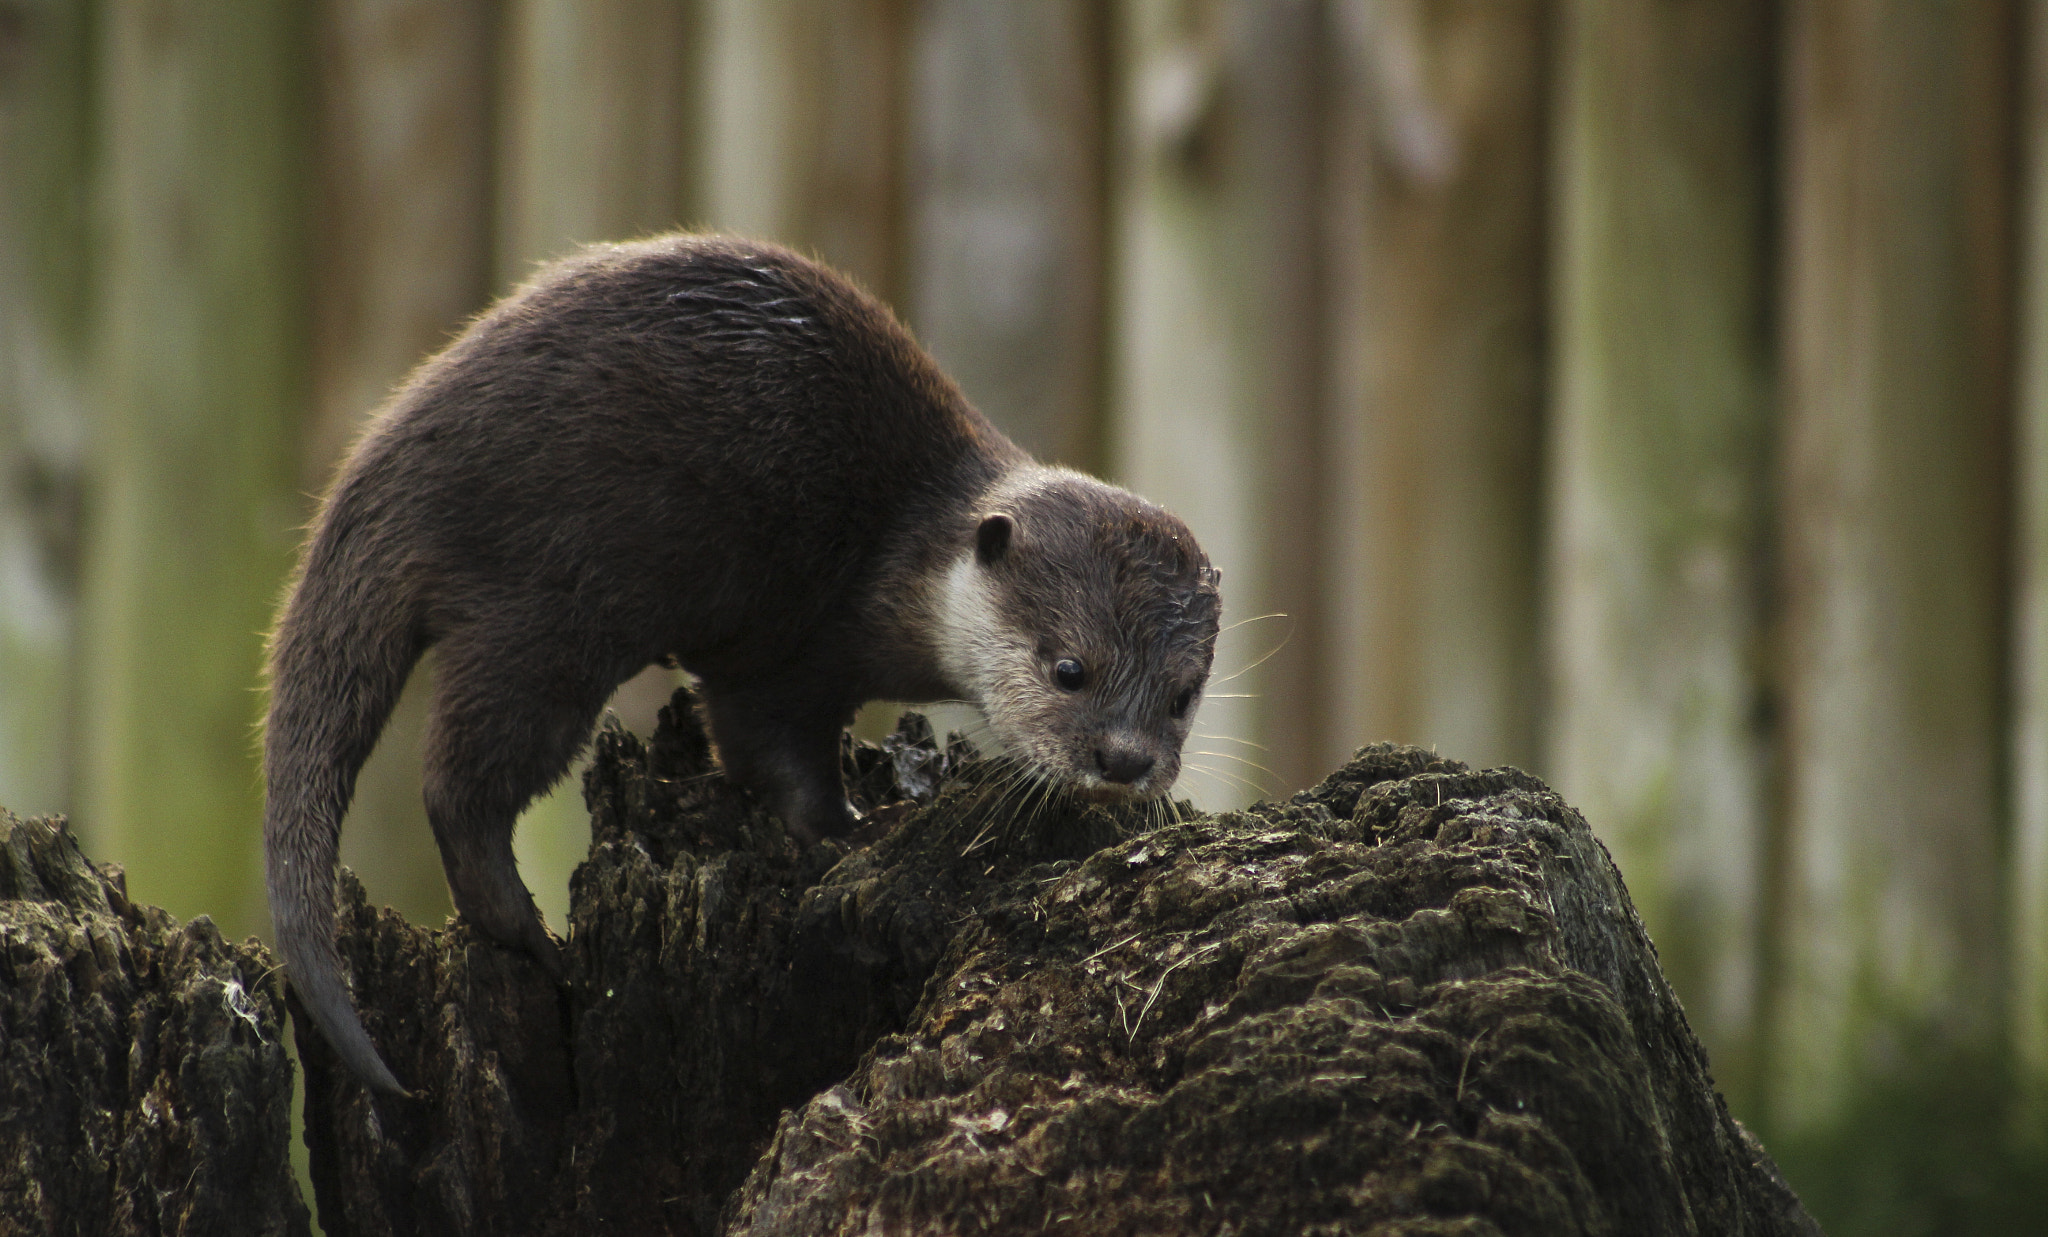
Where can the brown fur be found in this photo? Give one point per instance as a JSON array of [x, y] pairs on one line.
[[694, 448]]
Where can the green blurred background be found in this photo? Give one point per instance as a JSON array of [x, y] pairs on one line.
[[1650, 393]]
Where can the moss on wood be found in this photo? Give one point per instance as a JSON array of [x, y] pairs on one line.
[[1414, 999], [144, 1087]]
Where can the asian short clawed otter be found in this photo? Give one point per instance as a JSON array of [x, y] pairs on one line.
[[716, 452]]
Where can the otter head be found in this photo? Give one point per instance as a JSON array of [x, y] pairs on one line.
[[1083, 620]]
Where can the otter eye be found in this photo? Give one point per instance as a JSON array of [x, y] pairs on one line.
[[1069, 675], [1181, 702]]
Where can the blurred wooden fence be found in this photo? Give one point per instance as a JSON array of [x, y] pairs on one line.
[[1654, 395]]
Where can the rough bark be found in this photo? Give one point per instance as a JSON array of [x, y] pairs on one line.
[[1415, 999], [144, 1087]]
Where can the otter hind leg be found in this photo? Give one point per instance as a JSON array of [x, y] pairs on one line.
[[504, 727]]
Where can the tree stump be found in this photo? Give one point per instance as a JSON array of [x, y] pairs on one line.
[[145, 1087], [1413, 1000]]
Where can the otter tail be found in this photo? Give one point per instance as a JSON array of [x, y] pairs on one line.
[[337, 664]]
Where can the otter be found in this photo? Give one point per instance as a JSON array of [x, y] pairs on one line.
[[716, 454]]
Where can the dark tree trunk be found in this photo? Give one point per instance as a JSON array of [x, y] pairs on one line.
[[1415, 999]]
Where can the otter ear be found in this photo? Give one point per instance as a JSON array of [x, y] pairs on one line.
[[992, 539]]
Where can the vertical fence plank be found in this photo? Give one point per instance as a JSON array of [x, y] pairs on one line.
[[803, 125], [2029, 881], [45, 313], [758, 87], [201, 343], [1437, 385], [1658, 460], [1893, 495], [600, 120], [1214, 235], [1273, 135], [600, 113], [853, 204], [1004, 212], [401, 254]]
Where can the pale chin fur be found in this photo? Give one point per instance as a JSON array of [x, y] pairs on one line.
[[977, 652]]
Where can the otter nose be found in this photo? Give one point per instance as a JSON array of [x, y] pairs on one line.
[[1122, 764]]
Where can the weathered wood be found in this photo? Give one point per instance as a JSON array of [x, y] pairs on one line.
[[201, 344], [1658, 467], [1214, 379], [1893, 495], [402, 168], [1415, 996], [144, 1087], [803, 127], [1437, 322], [45, 320], [1414, 999], [1005, 213], [401, 256], [1278, 1022], [1271, 148], [599, 123], [2029, 868]]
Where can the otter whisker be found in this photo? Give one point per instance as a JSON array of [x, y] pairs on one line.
[[1257, 618], [1245, 783], [1239, 759], [1230, 738], [1263, 659]]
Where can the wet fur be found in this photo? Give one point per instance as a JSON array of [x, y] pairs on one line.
[[697, 449]]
